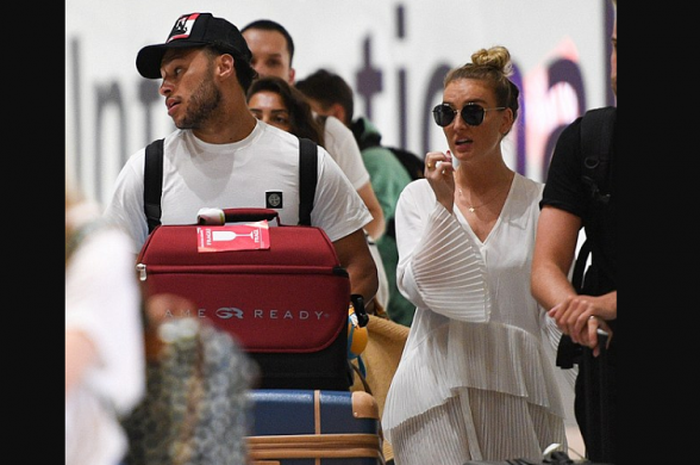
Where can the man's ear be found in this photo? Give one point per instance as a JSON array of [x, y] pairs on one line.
[[292, 75], [338, 111], [225, 65]]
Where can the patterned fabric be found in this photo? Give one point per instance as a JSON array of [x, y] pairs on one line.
[[195, 408]]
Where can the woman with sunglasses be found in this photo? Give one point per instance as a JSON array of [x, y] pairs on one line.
[[476, 379]]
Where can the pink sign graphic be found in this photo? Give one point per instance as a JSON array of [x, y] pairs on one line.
[[247, 236]]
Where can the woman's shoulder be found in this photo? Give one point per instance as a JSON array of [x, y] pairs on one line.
[[417, 195], [417, 188], [528, 184]]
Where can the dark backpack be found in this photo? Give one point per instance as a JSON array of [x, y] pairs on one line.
[[414, 165], [410, 161], [153, 181]]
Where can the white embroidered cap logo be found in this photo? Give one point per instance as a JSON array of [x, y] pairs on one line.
[[183, 27]]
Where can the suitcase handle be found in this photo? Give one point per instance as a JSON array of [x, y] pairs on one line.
[[233, 215]]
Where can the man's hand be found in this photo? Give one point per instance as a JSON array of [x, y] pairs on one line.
[[579, 316]]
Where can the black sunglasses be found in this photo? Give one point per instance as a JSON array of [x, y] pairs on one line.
[[472, 114]]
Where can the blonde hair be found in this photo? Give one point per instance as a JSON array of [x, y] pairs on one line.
[[494, 66]]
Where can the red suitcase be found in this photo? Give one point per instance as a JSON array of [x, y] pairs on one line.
[[286, 304], [314, 427]]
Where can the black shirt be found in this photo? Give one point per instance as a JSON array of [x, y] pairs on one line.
[[566, 190]]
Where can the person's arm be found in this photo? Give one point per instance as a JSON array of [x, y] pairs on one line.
[[555, 247], [125, 206], [341, 213], [580, 317], [80, 355], [342, 146], [355, 257], [377, 226], [104, 330]]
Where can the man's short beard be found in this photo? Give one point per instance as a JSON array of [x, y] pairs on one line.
[[201, 106]]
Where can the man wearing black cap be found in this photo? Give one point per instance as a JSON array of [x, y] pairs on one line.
[[221, 156]]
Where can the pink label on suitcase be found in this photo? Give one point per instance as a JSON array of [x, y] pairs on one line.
[[248, 236]]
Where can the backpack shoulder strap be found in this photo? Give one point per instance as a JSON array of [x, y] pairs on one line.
[[308, 170], [153, 183], [597, 128]]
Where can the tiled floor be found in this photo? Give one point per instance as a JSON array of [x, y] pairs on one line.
[[576, 447]]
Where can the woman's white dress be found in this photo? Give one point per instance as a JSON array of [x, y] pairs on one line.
[[476, 379]]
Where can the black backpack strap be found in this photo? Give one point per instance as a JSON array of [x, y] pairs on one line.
[[308, 170], [597, 128], [597, 131], [153, 183]]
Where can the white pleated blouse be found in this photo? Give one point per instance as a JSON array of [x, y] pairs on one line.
[[476, 323]]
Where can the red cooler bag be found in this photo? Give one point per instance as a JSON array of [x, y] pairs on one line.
[[278, 289]]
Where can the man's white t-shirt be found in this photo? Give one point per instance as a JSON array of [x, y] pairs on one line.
[[242, 174]]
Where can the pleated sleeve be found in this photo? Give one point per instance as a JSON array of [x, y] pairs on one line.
[[440, 266]]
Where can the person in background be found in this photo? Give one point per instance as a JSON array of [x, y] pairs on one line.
[[221, 156], [272, 51], [272, 48], [566, 207], [330, 95], [272, 100], [475, 381], [105, 361]]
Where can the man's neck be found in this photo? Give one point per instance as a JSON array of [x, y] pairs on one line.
[[227, 130]]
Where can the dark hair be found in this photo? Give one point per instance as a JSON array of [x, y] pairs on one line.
[[244, 71], [269, 25], [328, 88], [302, 121], [494, 66]]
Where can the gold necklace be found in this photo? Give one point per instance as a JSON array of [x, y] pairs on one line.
[[471, 208]]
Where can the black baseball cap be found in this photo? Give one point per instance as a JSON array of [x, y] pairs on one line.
[[194, 30]]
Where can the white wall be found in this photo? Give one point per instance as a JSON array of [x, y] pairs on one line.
[[103, 38]]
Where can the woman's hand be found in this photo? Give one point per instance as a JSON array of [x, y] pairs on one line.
[[439, 173]]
